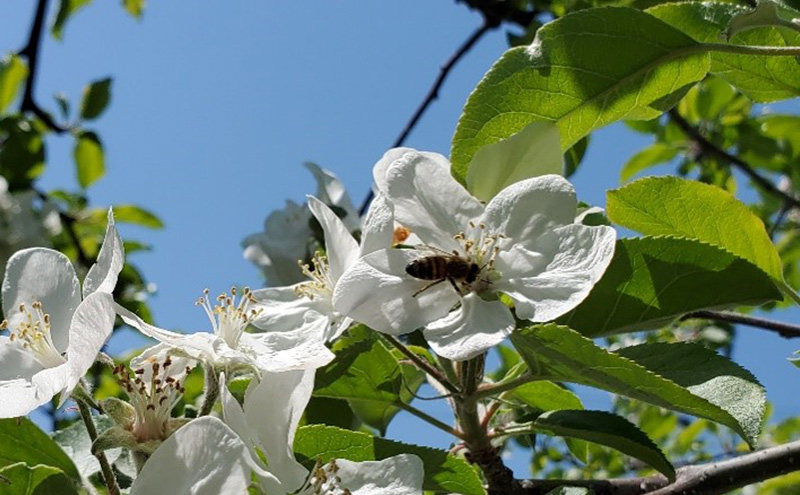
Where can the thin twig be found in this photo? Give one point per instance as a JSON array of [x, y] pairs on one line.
[[710, 148], [785, 330], [495, 389], [421, 363], [715, 478], [429, 419], [211, 391], [105, 467], [433, 93], [31, 52]]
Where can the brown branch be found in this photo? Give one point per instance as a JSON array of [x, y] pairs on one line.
[[785, 330], [715, 478], [433, 92], [503, 11], [31, 52], [709, 148]]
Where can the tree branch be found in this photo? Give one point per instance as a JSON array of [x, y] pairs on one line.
[[31, 53], [710, 148], [433, 92], [105, 466], [421, 363], [785, 330], [503, 11], [715, 478]]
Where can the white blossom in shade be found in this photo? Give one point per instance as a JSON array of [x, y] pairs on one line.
[[306, 310], [229, 346], [524, 244], [55, 329], [254, 444], [205, 457], [154, 388], [288, 235]]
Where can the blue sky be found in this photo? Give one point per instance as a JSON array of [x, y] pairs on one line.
[[216, 105]]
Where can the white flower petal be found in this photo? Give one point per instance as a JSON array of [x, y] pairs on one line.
[[16, 362], [298, 349], [428, 200], [19, 397], [576, 258], [91, 326], [399, 475], [273, 409], [281, 310], [341, 248], [527, 209], [382, 165], [103, 274], [377, 292], [199, 345], [331, 191], [158, 354], [471, 329], [47, 276], [378, 226], [205, 457]]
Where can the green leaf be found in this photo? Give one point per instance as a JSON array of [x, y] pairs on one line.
[[96, 97], [687, 208], [583, 71], [134, 7], [89, 158], [605, 429], [444, 473], [22, 155], [766, 14], [651, 281], [646, 158], [35, 480], [762, 79], [559, 353], [23, 441], [367, 372], [706, 374], [129, 214], [533, 152], [66, 9], [13, 73], [546, 396], [75, 442]]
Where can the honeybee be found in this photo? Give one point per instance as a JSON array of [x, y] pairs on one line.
[[440, 267]]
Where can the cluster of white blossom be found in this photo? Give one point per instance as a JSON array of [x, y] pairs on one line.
[[473, 268]]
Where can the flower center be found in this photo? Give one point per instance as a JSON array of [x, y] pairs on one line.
[[152, 397], [325, 480], [229, 319], [320, 285], [33, 334], [481, 248]]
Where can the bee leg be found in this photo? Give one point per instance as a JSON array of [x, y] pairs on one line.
[[427, 287], [455, 286]]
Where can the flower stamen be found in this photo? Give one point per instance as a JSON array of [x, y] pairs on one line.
[[33, 334]]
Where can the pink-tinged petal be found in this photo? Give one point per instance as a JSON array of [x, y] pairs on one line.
[[528, 209], [91, 327], [377, 292], [399, 475], [47, 276], [273, 408], [576, 258], [205, 457], [201, 346], [470, 330], [429, 201], [341, 248], [378, 226], [102, 276], [298, 349]]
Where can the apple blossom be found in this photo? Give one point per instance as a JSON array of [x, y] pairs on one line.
[[524, 244], [307, 307], [288, 235], [55, 334], [230, 347]]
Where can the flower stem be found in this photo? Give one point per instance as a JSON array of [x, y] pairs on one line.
[[494, 389], [429, 419], [105, 467], [212, 391], [421, 363]]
